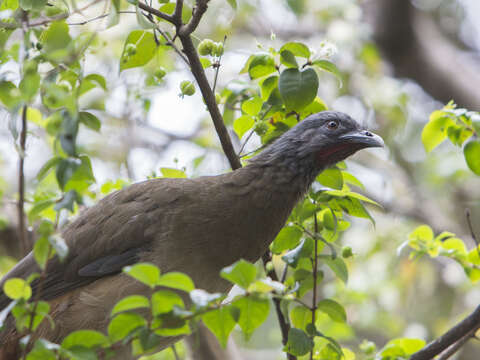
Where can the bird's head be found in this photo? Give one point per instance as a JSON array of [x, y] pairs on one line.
[[319, 141]]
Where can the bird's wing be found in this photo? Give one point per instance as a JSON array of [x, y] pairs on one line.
[[104, 238]]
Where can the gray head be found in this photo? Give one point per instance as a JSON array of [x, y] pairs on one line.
[[319, 141]]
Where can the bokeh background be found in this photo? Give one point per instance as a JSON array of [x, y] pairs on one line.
[[400, 60]]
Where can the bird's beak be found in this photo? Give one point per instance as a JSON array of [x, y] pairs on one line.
[[364, 138]]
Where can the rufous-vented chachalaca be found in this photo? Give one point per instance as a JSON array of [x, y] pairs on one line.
[[196, 226]]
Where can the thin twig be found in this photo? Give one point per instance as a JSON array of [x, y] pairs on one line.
[[284, 325], [174, 350], [217, 66], [470, 227], [41, 280], [452, 349], [22, 229], [100, 17], [169, 42], [156, 12], [453, 335], [209, 97], [315, 267], [198, 11], [177, 15]]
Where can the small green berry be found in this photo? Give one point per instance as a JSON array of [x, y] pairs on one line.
[[205, 47], [368, 347], [260, 128], [347, 252], [160, 73], [269, 266], [187, 88]]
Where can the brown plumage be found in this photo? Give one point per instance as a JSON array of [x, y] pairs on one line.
[[196, 226]]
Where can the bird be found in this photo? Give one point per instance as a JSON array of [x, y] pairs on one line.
[[196, 226]]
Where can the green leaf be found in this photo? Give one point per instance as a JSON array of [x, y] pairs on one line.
[[89, 120], [84, 338], [55, 37], [65, 170], [330, 67], [299, 343], [123, 324], [146, 273], [176, 280], [43, 350], [206, 63], [337, 265], [233, 4], [163, 301], [97, 78], [304, 249], [32, 4], [67, 201], [129, 303], [253, 312], [82, 177], [298, 88], [286, 239], [241, 273], [402, 347], [23, 315], [288, 59], [220, 322], [261, 65], [333, 309], [16, 288], [145, 47], [252, 106], [331, 178], [300, 316], [173, 173], [436, 130], [38, 207], [296, 48], [472, 155], [41, 251], [29, 86], [10, 96], [268, 85], [242, 124]]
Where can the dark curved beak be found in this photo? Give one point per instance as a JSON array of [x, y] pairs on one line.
[[364, 138]]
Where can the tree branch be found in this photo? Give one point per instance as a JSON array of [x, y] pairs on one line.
[[198, 12], [284, 325], [209, 97], [156, 12], [470, 324], [22, 230]]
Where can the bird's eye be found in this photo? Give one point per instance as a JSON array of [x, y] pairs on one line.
[[332, 125]]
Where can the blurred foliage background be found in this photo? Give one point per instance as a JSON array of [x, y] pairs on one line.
[[399, 60]]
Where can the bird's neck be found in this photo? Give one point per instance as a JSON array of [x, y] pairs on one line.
[[287, 174]]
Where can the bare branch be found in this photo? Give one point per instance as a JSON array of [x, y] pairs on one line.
[[156, 12], [198, 12], [22, 229], [177, 15], [457, 346], [209, 97], [451, 337], [284, 325]]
